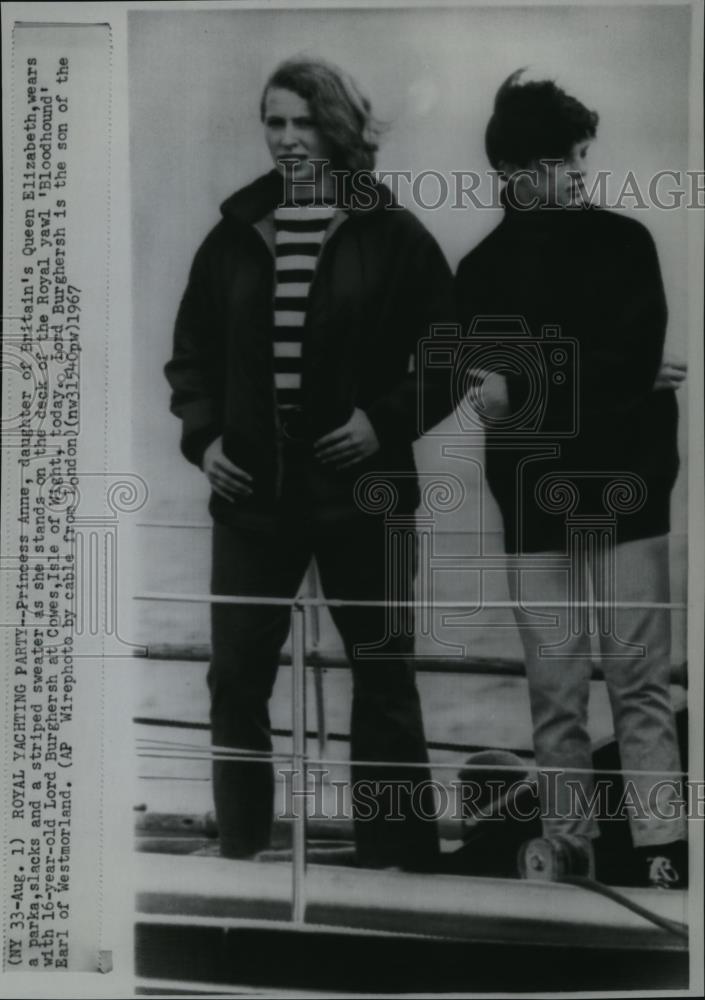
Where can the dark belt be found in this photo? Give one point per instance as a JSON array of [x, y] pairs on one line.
[[294, 427]]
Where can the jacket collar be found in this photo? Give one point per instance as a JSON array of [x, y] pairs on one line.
[[258, 199]]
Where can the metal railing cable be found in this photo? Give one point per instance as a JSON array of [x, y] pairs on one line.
[[311, 734], [339, 602], [237, 755]]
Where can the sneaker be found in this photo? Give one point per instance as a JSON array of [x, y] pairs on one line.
[[662, 874], [667, 866]]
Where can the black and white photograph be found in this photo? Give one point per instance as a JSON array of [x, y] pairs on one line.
[[353, 357]]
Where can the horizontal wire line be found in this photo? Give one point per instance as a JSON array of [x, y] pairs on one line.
[[309, 762], [311, 734], [144, 743], [235, 754], [167, 777], [333, 602], [195, 749], [242, 758]]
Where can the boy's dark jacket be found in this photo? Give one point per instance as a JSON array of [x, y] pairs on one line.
[[381, 280], [595, 275]]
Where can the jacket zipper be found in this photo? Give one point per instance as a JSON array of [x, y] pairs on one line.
[[279, 478]]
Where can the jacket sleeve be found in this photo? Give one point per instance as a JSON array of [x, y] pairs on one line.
[[617, 375], [193, 366], [477, 298], [424, 397], [618, 367]]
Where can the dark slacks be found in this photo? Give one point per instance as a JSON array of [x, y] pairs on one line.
[[386, 724]]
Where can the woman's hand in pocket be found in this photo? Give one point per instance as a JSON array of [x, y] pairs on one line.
[[226, 478], [355, 441]]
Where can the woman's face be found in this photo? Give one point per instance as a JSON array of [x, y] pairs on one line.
[[293, 138]]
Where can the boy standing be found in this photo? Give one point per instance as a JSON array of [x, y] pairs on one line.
[[599, 494]]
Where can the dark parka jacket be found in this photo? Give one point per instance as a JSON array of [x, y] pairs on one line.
[[380, 282]]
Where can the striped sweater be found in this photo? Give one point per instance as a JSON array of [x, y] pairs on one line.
[[299, 234]]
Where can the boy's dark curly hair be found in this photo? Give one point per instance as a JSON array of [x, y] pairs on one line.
[[535, 121]]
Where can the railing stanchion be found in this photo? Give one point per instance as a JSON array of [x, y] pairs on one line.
[[321, 724], [298, 728], [314, 617]]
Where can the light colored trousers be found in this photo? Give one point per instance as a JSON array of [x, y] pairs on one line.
[[557, 646]]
